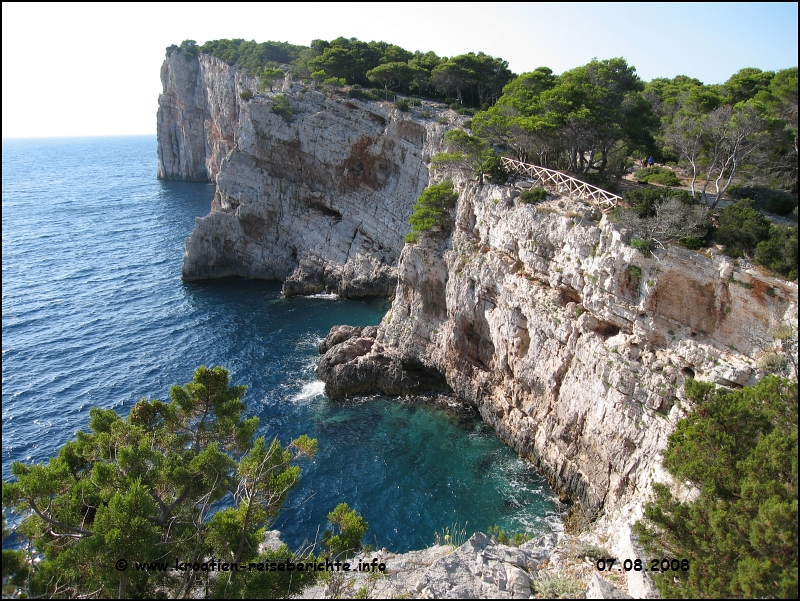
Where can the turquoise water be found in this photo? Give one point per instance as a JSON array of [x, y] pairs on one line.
[[95, 313]]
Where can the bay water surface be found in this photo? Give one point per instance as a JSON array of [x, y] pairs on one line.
[[95, 314]]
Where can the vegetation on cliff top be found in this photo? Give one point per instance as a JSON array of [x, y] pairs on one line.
[[740, 535], [180, 481], [657, 216], [470, 79], [431, 209], [589, 120]]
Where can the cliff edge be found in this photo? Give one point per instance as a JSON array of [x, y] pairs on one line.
[[571, 343], [312, 189]]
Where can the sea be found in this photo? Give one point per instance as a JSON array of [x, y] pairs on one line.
[[95, 314]]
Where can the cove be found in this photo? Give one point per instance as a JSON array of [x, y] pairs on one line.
[[95, 314]]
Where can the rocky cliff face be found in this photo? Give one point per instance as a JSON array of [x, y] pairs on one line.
[[572, 344], [318, 196], [197, 116], [320, 199]]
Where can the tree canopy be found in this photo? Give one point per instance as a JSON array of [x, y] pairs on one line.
[[148, 488], [430, 209], [577, 121], [472, 79], [740, 535]]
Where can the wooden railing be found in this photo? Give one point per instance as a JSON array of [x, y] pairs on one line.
[[605, 201]]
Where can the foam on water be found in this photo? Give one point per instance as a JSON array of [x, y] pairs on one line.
[[309, 391]]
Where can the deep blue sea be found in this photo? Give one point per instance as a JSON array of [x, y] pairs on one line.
[[95, 314]]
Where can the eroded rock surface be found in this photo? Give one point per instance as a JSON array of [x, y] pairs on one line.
[[354, 364], [572, 344], [318, 197], [198, 112], [320, 200], [479, 569]]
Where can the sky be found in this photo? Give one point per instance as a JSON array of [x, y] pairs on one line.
[[74, 69]]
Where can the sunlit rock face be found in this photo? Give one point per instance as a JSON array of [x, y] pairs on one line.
[[318, 196], [198, 112], [572, 344]]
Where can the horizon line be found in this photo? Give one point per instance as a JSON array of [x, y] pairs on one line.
[[60, 137]]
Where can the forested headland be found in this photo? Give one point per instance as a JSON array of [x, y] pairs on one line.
[[708, 142]]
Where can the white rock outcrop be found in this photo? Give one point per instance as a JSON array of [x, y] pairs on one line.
[[318, 196], [198, 112], [572, 344]]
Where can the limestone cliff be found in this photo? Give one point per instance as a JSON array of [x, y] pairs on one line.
[[198, 112], [572, 344], [317, 194]]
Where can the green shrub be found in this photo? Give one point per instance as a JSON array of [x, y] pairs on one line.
[[334, 82], [645, 200], [657, 175], [665, 179], [693, 243], [768, 199], [358, 92], [740, 450], [456, 106], [347, 530], [779, 251], [431, 209], [189, 48], [642, 174], [636, 272], [514, 540], [251, 56], [281, 106], [414, 102], [246, 95], [533, 195], [493, 167], [412, 238], [741, 228], [401, 105], [643, 246]]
